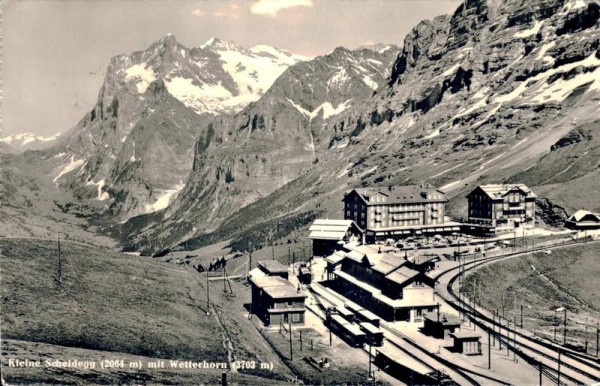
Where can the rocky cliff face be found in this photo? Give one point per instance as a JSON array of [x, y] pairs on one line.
[[478, 96], [243, 157], [133, 151]]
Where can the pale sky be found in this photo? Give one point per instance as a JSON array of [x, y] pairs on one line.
[[55, 53]]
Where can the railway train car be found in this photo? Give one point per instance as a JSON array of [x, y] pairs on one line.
[[346, 314], [374, 336], [353, 306], [411, 375], [368, 317], [351, 333]]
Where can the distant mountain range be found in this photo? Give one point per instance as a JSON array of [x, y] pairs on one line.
[[190, 146], [16, 143]]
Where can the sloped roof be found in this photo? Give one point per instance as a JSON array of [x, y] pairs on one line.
[[400, 193], [384, 262], [497, 191], [272, 266], [325, 229], [257, 273], [402, 275], [581, 214], [277, 287]]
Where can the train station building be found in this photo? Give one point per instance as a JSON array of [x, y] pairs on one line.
[[383, 283]]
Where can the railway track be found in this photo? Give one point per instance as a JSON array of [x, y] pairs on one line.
[[458, 373], [575, 366]]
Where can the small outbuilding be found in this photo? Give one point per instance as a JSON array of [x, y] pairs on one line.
[[466, 343], [273, 268], [583, 220], [440, 325]]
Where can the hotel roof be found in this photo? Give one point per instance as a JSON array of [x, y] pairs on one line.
[[497, 191], [400, 194]]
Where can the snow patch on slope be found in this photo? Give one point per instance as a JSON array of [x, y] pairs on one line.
[[72, 165], [141, 76], [164, 199], [537, 25], [102, 196]]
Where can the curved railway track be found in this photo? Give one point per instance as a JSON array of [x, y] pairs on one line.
[[575, 366], [458, 373]]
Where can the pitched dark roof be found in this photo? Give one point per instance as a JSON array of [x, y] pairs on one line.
[[399, 194], [498, 191]]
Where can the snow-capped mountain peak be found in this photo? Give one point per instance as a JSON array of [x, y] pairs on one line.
[[213, 78], [29, 141]]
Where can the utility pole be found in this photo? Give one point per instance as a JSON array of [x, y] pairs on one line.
[[507, 338], [521, 316], [565, 328], [558, 370], [499, 330], [494, 325], [489, 350], [541, 372], [369, 376], [555, 324], [586, 335], [224, 284], [515, 339], [58, 276], [59, 262], [208, 295], [597, 338], [272, 250], [249, 261], [290, 325]]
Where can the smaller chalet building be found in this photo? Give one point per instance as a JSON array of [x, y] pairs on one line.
[[502, 206], [329, 235], [583, 220], [276, 300]]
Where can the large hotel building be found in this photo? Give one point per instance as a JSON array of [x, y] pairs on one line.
[[397, 210]]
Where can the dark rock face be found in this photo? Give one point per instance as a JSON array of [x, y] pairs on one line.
[[580, 21], [136, 146], [550, 213], [574, 136]]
